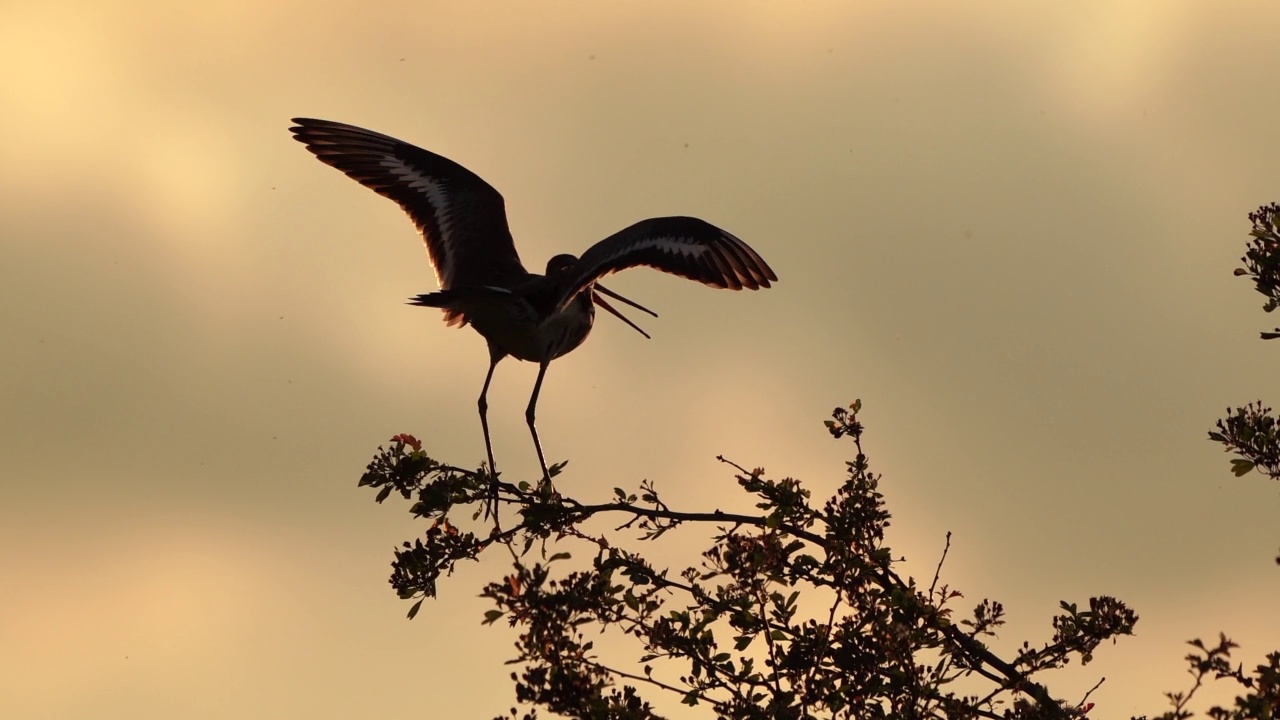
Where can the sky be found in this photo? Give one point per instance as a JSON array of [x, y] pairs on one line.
[[1008, 227]]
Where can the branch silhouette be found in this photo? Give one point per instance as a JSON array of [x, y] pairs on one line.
[[863, 653]]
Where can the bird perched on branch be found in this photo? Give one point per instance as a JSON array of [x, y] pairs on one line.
[[530, 317]]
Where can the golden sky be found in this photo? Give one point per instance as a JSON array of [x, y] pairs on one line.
[[1008, 227]]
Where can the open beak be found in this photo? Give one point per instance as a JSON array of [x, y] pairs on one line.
[[618, 297], [595, 296]]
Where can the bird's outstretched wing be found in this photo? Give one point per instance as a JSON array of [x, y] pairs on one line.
[[461, 217], [684, 246]]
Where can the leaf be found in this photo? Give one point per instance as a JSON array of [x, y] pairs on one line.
[[777, 635], [1241, 467], [413, 611], [383, 493], [558, 556], [490, 617], [742, 641], [690, 698]]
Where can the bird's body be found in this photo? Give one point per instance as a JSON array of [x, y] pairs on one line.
[[536, 318], [521, 321]]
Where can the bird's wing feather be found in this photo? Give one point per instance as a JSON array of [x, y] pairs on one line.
[[684, 246], [462, 218]]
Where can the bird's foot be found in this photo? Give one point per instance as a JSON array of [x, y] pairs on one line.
[[491, 502], [546, 490]]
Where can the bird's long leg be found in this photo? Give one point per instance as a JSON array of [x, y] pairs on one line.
[[529, 415], [484, 412], [483, 404]]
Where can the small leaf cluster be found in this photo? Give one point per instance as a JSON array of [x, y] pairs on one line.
[[1262, 258], [1261, 700], [435, 489], [1253, 433]]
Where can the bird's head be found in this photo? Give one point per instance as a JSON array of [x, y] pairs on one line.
[[561, 264], [564, 266]]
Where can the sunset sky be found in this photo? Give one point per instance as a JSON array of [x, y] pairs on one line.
[[1008, 227]]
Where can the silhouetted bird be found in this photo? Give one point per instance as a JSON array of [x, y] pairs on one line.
[[530, 317]]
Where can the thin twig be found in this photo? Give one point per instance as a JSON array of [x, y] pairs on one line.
[[727, 461], [632, 676], [938, 571], [768, 639], [1097, 685], [826, 644]]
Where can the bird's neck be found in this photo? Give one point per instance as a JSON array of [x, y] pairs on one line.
[[544, 293]]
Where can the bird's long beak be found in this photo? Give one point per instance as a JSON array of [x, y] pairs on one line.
[[595, 296], [618, 297]]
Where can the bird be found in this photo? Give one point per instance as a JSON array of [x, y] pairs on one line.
[[531, 317]]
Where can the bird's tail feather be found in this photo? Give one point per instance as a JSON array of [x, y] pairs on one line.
[[448, 298], [436, 299], [454, 300]]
